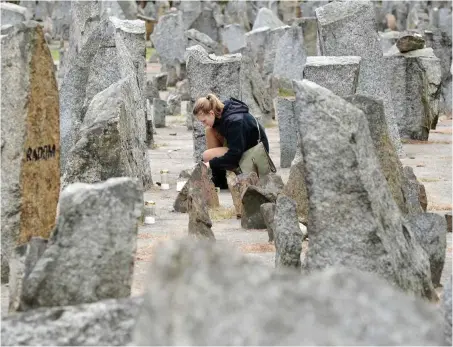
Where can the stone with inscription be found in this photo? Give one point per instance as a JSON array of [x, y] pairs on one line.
[[30, 153]]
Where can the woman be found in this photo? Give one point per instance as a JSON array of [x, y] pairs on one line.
[[230, 131]]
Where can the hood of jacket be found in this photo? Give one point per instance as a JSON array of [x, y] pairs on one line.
[[233, 106]]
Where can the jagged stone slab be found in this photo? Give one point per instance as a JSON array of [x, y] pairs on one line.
[[103, 323], [200, 180], [431, 232], [252, 199], [288, 236], [389, 162], [347, 28], [30, 138], [268, 212], [200, 223], [237, 184], [222, 294], [353, 218], [287, 127], [90, 255], [416, 86], [168, 38], [233, 37], [12, 14], [266, 18], [338, 74]]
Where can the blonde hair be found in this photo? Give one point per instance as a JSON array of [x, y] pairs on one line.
[[208, 103]]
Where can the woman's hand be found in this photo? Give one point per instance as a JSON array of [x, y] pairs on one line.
[[206, 163]]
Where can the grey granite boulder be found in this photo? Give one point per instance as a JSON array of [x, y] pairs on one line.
[[13, 14], [430, 229], [233, 37], [104, 323], [287, 127], [290, 55], [266, 18], [288, 236], [195, 37], [338, 74], [416, 88], [168, 38], [412, 191], [252, 199], [353, 218], [203, 293], [347, 28], [90, 255], [391, 167], [200, 223]]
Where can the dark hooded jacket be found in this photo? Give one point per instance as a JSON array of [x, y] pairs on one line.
[[239, 128]]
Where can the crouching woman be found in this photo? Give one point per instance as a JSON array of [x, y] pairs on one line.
[[230, 131]]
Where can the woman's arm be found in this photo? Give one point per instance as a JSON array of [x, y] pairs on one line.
[[236, 147]]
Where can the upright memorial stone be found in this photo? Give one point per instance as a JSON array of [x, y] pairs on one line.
[[30, 137]]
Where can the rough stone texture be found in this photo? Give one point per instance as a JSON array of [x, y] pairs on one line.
[[169, 40], [109, 127], [309, 27], [112, 138], [407, 43], [151, 90], [430, 229], [200, 223], [271, 183], [354, 220], [61, 19], [172, 75], [236, 13], [211, 74], [412, 192], [192, 284], [23, 260], [104, 323], [30, 139], [252, 199], [174, 104], [446, 308], [207, 22], [97, 224], [388, 40], [390, 165], [200, 179], [233, 37], [160, 80], [287, 126], [266, 18], [182, 88], [159, 113], [295, 187], [441, 42], [254, 91], [338, 74], [290, 55], [347, 28], [415, 88], [13, 14], [237, 184], [190, 12], [268, 212], [194, 38], [288, 236], [91, 53]]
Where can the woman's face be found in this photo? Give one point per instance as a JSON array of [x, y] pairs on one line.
[[206, 118]]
